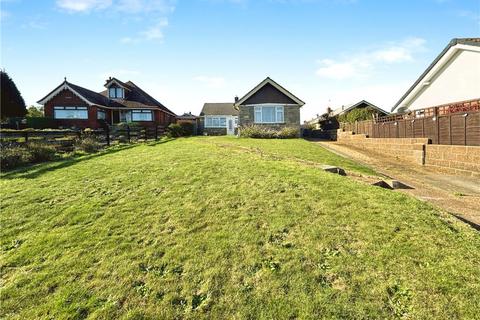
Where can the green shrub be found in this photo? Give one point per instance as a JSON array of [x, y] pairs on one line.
[[187, 128], [357, 115], [174, 130], [41, 152], [288, 133], [89, 144], [13, 156], [261, 132], [41, 122]]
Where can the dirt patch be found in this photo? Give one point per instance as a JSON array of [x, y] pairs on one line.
[[457, 195]]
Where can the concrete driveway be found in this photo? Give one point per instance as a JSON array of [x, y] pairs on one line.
[[457, 195]]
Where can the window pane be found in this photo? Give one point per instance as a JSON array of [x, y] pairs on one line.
[[280, 113], [70, 114], [223, 122], [208, 122], [142, 115], [119, 93], [258, 114], [101, 115], [111, 92], [216, 122], [268, 114]]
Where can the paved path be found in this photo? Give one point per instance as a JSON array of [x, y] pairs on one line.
[[455, 194]]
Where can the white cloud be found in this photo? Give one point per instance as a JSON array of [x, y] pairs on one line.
[[337, 70], [361, 64], [83, 5], [153, 11], [155, 32], [211, 82], [145, 6], [473, 16], [124, 6]]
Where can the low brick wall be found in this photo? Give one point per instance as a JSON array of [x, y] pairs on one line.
[[410, 149], [462, 160]]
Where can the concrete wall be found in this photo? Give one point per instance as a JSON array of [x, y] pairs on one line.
[[456, 81], [461, 160]]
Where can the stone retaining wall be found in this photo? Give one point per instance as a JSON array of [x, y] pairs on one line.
[[462, 160]]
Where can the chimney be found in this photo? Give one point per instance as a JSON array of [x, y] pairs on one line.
[[236, 99]]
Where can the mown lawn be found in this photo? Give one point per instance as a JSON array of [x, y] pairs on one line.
[[226, 228]]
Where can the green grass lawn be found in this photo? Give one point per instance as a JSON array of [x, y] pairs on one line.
[[226, 228]]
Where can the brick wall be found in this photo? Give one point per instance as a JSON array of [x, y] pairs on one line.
[[462, 160], [215, 131], [410, 149]]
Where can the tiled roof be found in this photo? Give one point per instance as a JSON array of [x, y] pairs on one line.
[[219, 109], [136, 98]]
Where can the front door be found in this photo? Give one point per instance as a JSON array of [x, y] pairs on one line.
[[230, 126]]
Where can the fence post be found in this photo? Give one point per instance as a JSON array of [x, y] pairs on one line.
[[107, 135], [79, 134], [26, 136], [128, 133], [465, 127]]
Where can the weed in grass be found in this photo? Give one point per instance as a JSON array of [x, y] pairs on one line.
[[399, 298], [197, 300]]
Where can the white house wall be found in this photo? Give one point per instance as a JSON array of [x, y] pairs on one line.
[[459, 80]]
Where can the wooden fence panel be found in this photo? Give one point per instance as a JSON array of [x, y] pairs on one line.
[[409, 129], [444, 130], [461, 128], [458, 129], [473, 129], [431, 129], [417, 128]]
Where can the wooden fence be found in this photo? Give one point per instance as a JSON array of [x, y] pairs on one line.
[[461, 128], [65, 139]]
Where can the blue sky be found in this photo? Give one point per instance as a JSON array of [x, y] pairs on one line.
[[185, 53]]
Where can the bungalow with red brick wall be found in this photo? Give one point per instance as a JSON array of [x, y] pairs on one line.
[[74, 106]]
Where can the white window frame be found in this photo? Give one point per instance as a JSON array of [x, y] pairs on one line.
[[141, 111], [116, 93], [218, 120], [278, 110], [80, 114]]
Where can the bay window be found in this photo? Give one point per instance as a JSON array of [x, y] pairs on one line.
[[60, 112], [269, 114]]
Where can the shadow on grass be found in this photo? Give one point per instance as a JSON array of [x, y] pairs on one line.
[[34, 171]]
